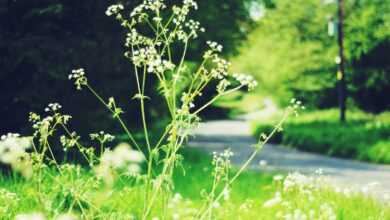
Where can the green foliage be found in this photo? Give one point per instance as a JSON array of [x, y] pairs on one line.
[[364, 136], [379, 152], [248, 195], [41, 41], [291, 54]]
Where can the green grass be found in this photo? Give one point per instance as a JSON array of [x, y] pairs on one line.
[[363, 137], [246, 201]]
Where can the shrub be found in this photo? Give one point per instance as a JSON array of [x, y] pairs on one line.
[[320, 132], [380, 152]]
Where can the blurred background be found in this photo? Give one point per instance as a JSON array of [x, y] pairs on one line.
[[41, 41], [290, 47]]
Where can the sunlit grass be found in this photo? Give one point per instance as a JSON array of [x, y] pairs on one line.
[[364, 136], [246, 200]]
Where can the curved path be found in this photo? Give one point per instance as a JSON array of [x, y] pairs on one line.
[[216, 136]]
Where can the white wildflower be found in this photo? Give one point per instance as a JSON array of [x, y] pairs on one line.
[[263, 163], [216, 205], [246, 80], [222, 86], [327, 212], [319, 171], [102, 137], [13, 152], [298, 181], [214, 46], [274, 201], [278, 177], [114, 9], [226, 194], [121, 158], [175, 216], [66, 217], [78, 75], [31, 216]]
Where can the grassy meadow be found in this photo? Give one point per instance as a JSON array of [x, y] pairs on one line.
[[254, 195]]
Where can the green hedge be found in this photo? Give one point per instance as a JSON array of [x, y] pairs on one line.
[[363, 136]]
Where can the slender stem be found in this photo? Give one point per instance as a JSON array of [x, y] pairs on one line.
[[217, 97], [144, 123], [177, 75], [124, 127], [78, 145], [168, 166], [258, 148]]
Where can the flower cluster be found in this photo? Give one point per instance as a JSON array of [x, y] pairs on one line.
[[223, 85], [182, 12], [246, 80], [45, 126], [122, 158], [305, 185], [222, 164], [152, 5], [214, 46], [194, 27], [133, 38], [296, 184], [13, 152], [325, 212], [150, 58], [296, 106], [69, 142], [102, 137], [30, 216], [277, 199], [220, 71], [53, 107], [40, 216], [114, 9], [78, 75]]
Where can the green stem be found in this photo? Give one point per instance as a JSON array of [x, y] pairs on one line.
[[258, 148], [124, 127]]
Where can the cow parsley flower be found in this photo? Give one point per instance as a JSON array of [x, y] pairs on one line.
[[78, 75], [13, 152], [102, 137], [67, 216], [114, 9], [30, 216], [246, 80], [214, 46], [122, 158], [190, 3], [274, 201], [53, 107]]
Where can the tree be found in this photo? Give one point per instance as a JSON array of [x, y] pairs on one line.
[[292, 55], [41, 41]]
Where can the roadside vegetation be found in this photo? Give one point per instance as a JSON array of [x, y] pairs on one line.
[[254, 195], [364, 136]]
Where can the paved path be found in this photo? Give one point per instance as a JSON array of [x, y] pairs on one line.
[[235, 134]]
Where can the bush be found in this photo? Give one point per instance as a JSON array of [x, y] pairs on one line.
[[363, 137], [379, 153]]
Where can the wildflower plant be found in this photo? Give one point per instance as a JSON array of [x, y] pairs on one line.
[[152, 164]]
